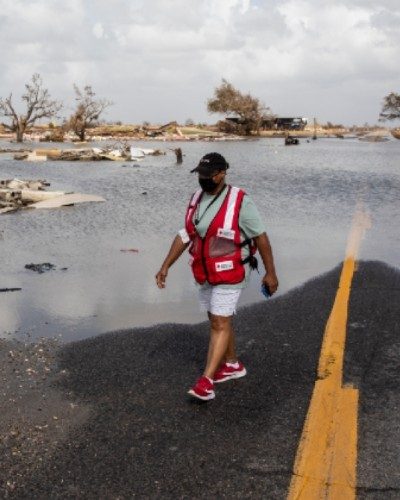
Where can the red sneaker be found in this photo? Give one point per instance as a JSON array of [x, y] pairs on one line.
[[204, 389], [226, 372]]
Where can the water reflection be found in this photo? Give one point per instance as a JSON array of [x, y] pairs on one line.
[[306, 195]]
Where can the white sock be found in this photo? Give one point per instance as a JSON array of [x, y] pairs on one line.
[[233, 365]]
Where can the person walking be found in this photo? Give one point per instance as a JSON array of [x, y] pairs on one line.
[[223, 231]]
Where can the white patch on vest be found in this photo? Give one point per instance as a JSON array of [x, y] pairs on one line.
[[233, 195], [192, 205], [229, 234], [227, 265]]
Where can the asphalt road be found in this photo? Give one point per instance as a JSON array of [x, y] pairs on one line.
[[135, 434], [372, 364]]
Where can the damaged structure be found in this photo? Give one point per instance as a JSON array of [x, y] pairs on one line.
[[112, 153], [18, 194]]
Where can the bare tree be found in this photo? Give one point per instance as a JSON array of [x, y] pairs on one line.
[[249, 110], [87, 112], [38, 105], [390, 107]]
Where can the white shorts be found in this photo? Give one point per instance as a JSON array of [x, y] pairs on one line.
[[219, 301]]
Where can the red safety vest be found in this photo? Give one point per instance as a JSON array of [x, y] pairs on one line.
[[217, 258]]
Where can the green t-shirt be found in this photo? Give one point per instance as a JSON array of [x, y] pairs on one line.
[[250, 225]]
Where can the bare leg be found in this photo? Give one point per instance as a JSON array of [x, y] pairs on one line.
[[230, 354], [220, 337]]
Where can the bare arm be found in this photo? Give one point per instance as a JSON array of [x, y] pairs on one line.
[[265, 250], [176, 250]]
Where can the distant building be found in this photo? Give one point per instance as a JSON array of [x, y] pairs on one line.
[[272, 122], [236, 120], [268, 123], [290, 123]]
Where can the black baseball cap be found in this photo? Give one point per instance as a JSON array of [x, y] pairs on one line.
[[210, 164]]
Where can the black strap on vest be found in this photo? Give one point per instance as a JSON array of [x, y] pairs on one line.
[[197, 219], [251, 259], [245, 242]]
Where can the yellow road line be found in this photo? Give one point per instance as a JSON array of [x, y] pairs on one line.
[[326, 459]]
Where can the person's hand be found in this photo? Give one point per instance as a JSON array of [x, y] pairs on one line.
[[161, 276], [271, 281]]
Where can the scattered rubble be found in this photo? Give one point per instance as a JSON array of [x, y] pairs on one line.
[[113, 153], [378, 135], [20, 184], [56, 134], [172, 131], [17, 194], [374, 138], [15, 150]]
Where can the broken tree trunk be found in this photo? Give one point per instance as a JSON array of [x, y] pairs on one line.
[[179, 156]]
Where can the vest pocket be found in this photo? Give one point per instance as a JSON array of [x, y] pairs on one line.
[[219, 247], [225, 270]]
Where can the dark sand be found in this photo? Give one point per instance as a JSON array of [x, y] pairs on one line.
[[108, 417]]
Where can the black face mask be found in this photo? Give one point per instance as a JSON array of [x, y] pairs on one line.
[[208, 185]]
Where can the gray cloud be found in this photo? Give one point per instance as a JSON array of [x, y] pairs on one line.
[[161, 60]]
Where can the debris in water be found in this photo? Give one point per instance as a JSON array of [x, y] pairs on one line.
[[290, 140], [66, 200], [40, 268], [121, 151], [178, 154], [16, 194]]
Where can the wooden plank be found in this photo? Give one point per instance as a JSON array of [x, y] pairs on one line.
[[67, 199]]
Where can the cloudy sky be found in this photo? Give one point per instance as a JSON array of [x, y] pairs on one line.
[[160, 60]]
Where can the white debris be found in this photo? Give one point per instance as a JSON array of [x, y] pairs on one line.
[[67, 199]]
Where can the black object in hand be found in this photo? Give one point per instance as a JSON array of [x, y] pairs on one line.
[[265, 291]]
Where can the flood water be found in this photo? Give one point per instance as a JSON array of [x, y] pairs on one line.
[[306, 195]]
